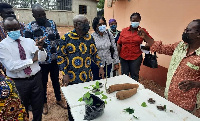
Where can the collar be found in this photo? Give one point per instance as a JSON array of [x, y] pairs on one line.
[[197, 51], [73, 34], [12, 40], [129, 28]]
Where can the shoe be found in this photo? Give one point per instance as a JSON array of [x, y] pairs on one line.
[[61, 104], [45, 109]]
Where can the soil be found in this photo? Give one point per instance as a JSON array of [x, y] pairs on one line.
[[56, 113]]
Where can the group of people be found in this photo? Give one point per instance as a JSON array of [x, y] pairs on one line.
[[29, 53]]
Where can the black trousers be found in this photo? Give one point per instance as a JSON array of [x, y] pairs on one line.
[[95, 71], [132, 67], [53, 69], [31, 91]]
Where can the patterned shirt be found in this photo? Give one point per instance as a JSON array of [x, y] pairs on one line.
[[103, 44], [3, 34], [74, 56], [182, 67], [11, 108], [34, 31]]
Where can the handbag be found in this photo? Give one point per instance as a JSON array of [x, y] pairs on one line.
[[150, 60], [112, 50]]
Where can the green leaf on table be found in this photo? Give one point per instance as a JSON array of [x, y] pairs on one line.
[[101, 92], [165, 107], [97, 85], [97, 93], [135, 117], [105, 102], [144, 104], [80, 99], [86, 88], [89, 102], [129, 110], [87, 95], [104, 96]]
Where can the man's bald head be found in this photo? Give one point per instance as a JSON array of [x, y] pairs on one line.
[[39, 14], [37, 7], [11, 24]]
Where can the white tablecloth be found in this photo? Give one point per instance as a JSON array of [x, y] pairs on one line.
[[114, 108]]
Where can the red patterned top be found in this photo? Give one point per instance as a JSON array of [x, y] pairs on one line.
[[130, 44], [188, 68]]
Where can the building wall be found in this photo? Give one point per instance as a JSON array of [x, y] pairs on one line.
[[91, 8], [61, 17], [164, 19]]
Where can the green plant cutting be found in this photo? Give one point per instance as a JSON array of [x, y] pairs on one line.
[[96, 90]]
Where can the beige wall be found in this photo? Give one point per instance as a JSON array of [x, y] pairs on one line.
[[164, 19], [91, 8]]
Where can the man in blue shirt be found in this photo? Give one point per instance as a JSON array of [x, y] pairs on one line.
[[38, 29]]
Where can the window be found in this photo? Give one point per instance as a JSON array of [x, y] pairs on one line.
[[82, 9], [64, 5]]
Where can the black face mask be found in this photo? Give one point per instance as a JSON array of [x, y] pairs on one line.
[[186, 38], [86, 28], [41, 21]]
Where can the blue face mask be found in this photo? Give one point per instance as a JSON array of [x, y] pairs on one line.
[[14, 34], [113, 27], [102, 28], [135, 24]]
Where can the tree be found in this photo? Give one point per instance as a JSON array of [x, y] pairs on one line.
[[100, 8], [100, 5]]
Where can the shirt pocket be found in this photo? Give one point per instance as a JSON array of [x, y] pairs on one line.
[[192, 66]]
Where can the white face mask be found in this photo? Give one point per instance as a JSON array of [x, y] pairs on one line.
[[135, 24], [102, 28]]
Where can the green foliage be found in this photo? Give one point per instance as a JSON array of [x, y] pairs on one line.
[[86, 88], [129, 110], [104, 96], [97, 93], [86, 97], [80, 99], [144, 104], [89, 101], [100, 4]]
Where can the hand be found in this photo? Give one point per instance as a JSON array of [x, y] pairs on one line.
[[188, 84], [35, 58], [141, 33], [116, 66], [65, 80], [101, 72], [40, 43]]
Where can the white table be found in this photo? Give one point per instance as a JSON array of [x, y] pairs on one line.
[[114, 108]]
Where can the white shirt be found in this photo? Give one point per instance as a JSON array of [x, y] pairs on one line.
[[103, 44], [10, 57]]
